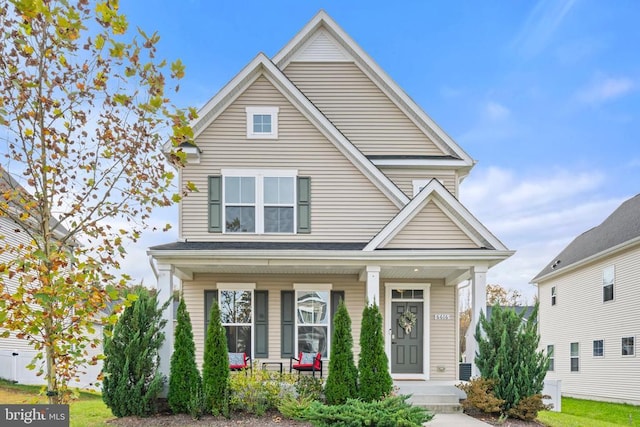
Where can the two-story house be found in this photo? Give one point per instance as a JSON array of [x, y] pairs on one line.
[[589, 317], [320, 179]]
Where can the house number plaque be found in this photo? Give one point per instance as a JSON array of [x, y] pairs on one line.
[[442, 316]]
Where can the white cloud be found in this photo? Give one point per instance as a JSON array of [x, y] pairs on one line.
[[540, 26], [606, 88], [535, 215], [495, 111]]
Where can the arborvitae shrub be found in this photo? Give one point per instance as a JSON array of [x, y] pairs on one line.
[[132, 383], [184, 381], [215, 370], [374, 379], [343, 375], [508, 353]]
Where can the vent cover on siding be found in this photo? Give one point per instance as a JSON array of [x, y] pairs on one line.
[[321, 48]]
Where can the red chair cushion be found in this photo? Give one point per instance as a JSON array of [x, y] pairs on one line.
[[237, 360], [308, 360]]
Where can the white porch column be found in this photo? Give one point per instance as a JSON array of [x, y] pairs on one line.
[[165, 291], [373, 284], [478, 303]]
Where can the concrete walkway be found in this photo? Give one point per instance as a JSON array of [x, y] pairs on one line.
[[454, 420]]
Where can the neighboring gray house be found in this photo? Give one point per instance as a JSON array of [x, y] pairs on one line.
[[590, 310]]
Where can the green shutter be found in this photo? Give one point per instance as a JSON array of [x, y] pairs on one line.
[[215, 204], [304, 205], [336, 297], [261, 324], [210, 298], [287, 323]]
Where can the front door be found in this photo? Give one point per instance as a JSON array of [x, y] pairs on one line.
[[407, 334]]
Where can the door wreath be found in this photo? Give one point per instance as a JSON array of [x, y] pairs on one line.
[[407, 321]]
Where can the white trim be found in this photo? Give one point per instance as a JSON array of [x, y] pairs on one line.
[[473, 228], [603, 348], [419, 184], [260, 172], [312, 287], [235, 286], [267, 111], [426, 313], [433, 163], [634, 346]]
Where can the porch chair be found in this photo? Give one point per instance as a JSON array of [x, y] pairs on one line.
[[308, 362], [239, 362]]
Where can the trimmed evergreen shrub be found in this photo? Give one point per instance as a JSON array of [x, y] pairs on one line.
[[343, 375], [185, 383], [215, 369], [132, 383], [374, 379], [390, 412], [508, 353]]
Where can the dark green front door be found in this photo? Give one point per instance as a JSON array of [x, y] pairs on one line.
[[407, 342]]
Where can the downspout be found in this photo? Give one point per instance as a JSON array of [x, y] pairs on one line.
[[153, 267]]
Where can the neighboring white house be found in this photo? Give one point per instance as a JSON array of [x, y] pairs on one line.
[[590, 310], [320, 180], [15, 353]]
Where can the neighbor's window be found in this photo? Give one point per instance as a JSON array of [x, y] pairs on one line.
[[598, 348], [553, 295], [259, 202], [262, 122], [550, 351], [312, 321], [628, 346], [237, 319], [575, 357], [608, 278]]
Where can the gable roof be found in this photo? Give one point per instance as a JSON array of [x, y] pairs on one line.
[[620, 229], [322, 21], [262, 66], [452, 208]]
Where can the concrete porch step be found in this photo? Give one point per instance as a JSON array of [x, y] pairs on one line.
[[438, 397]]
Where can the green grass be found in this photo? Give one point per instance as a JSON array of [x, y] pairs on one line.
[[589, 413], [88, 410]]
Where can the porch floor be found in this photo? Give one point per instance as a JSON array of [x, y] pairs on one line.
[[440, 397]]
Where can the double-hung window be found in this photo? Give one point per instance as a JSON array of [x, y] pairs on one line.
[[259, 201], [236, 315], [608, 279], [550, 351], [598, 348], [575, 357], [313, 318], [628, 346], [553, 295]]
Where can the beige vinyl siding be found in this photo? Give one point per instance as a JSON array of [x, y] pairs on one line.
[[443, 332], [404, 179], [580, 315], [11, 239], [193, 292], [359, 109], [340, 192], [431, 229]]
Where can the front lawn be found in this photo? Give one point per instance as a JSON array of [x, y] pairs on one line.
[[589, 413], [87, 411]]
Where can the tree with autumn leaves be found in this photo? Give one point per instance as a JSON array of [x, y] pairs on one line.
[[84, 110]]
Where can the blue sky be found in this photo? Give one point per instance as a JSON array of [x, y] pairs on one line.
[[544, 95]]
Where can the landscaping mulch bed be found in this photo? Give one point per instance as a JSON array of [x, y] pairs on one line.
[[495, 420], [237, 419]]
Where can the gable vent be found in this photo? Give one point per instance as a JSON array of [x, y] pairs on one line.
[[321, 48]]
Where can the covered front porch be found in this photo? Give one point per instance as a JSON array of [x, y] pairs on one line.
[[423, 282]]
